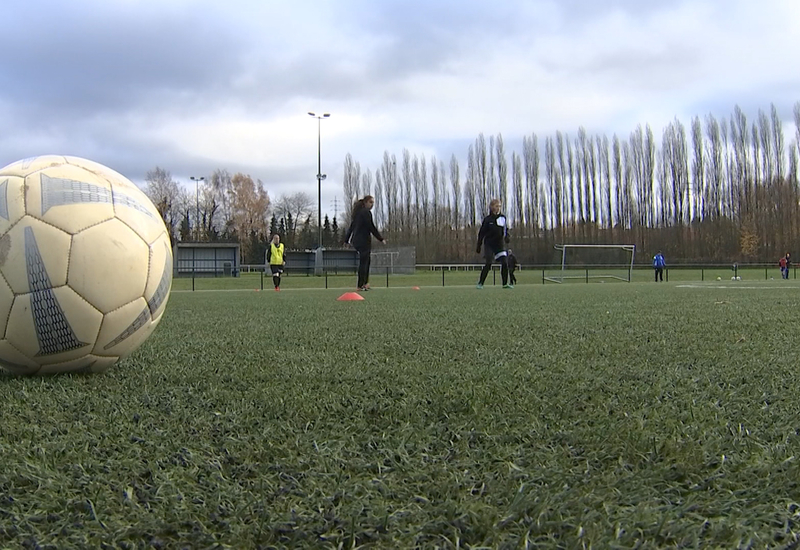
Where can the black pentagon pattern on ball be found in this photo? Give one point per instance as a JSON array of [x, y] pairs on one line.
[[61, 191], [53, 331], [4, 199], [152, 305], [163, 287], [138, 323], [121, 199]]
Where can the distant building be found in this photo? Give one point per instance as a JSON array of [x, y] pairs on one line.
[[206, 259]]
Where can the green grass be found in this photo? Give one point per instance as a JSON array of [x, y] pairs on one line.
[[563, 416]]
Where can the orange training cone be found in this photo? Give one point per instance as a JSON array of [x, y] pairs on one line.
[[414, 288], [349, 297]]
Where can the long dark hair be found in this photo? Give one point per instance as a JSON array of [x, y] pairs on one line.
[[361, 203]]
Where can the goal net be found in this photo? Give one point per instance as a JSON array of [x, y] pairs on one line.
[[593, 261]]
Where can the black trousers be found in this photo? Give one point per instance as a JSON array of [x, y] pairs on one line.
[[659, 273], [364, 254], [511, 278], [488, 267]]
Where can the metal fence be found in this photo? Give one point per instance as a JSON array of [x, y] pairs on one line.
[[458, 274]]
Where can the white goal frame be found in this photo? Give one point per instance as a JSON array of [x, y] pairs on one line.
[[564, 247]]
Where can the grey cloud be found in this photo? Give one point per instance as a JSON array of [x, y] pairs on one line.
[[71, 61]]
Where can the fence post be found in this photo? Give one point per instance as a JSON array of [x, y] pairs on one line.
[[326, 278], [387, 277], [442, 276], [192, 280], [494, 276], [587, 275], [702, 274], [667, 270], [766, 273], [262, 280]]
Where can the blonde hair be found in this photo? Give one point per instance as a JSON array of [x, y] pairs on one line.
[[494, 202]]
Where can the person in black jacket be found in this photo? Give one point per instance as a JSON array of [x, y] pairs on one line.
[[359, 236], [512, 266], [493, 237]]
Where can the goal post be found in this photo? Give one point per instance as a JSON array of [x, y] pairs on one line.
[[591, 268]]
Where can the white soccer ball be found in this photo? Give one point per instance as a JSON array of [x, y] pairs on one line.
[[85, 266], [719, 278]]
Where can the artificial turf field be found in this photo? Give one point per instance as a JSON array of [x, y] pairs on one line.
[[547, 416]]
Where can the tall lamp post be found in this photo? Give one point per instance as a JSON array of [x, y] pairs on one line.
[[320, 175], [197, 204]]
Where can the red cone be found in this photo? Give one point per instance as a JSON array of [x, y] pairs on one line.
[[414, 288], [349, 296]]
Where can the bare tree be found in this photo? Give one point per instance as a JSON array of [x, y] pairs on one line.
[[580, 189], [480, 175], [437, 177], [350, 180], [618, 184], [778, 148], [220, 221], [455, 185], [518, 190], [250, 204], [470, 191], [292, 208], [551, 178], [416, 185], [380, 200], [424, 193], [566, 191], [572, 183], [366, 183], [605, 180], [502, 170], [530, 156], [164, 192], [797, 126], [767, 160], [699, 192], [714, 168]]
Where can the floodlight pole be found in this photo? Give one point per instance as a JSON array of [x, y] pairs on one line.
[[197, 204], [320, 175]]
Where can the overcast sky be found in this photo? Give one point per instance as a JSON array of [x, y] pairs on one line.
[[191, 86]]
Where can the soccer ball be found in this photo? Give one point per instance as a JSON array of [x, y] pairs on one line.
[[85, 266], [719, 278]]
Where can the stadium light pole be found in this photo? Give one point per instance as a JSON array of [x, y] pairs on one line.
[[197, 204], [320, 175]]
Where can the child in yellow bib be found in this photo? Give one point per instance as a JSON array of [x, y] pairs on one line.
[[276, 260]]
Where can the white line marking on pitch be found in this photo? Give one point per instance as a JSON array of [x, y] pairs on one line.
[[740, 287]]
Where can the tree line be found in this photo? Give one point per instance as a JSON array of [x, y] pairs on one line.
[[237, 208], [718, 190]]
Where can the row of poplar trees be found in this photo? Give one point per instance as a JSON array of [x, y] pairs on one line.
[[720, 190]]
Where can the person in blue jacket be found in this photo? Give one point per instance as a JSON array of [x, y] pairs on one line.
[[658, 265]]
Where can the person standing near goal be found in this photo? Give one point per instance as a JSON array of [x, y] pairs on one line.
[[359, 236], [512, 266], [493, 237], [658, 266], [276, 260]]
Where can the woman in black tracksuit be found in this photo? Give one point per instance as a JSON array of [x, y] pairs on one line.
[[493, 236], [359, 235]]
